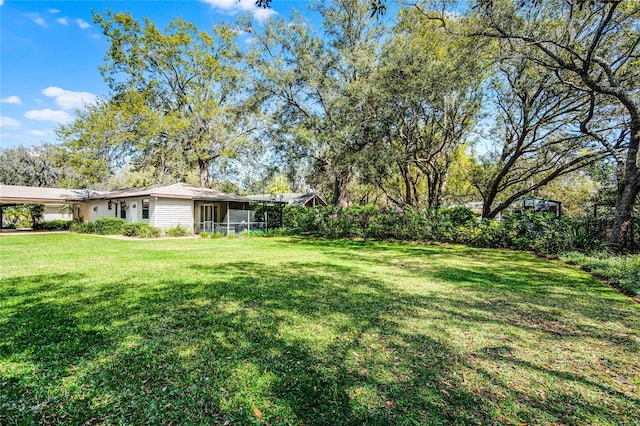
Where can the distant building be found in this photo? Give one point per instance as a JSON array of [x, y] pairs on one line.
[[308, 199], [531, 203]]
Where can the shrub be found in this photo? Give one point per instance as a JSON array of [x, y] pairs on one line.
[[204, 235], [149, 232], [83, 227], [108, 226], [55, 225], [141, 230], [178, 231]]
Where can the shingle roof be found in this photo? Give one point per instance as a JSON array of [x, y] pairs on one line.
[[175, 190], [34, 193]]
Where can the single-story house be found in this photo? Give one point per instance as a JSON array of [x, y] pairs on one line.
[[162, 206], [304, 199]]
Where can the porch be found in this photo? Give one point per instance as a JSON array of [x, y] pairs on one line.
[[233, 217]]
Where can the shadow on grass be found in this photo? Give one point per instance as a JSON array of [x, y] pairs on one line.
[[311, 343]]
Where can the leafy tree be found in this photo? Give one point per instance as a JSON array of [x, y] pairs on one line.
[[592, 47], [173, 104], [35, 166], [537, 136], [312, 88], [427, 98]]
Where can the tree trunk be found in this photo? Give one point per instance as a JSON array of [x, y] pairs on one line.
[[341, 182], [621, 236], [204, 172], [408, 184]]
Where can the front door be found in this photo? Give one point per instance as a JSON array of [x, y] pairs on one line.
[[206, 218]]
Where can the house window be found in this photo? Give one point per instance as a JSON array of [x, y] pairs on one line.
[[145, 208], [123, 210]]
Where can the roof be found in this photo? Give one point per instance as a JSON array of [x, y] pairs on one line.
[[536, 198], [174, 190], [35, 193], [292, 198]]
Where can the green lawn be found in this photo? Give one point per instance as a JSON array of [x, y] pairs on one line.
[[298, 331]]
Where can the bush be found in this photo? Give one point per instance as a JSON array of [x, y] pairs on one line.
[[178, 231], [150, 232], [83, 227], [55, 225], [141, 230], [541, 233], [108, 226], [204, 235]]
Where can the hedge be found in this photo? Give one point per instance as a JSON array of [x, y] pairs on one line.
[[542, 233]]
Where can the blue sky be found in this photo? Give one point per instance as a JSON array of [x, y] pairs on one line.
[[51, 50]]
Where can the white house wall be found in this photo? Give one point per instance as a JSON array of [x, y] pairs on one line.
[[163, 212], [53, 212], [100, 208], [171, 212]]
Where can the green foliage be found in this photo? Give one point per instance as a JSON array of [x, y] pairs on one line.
[[174, 102], [25, 216], [535, 232], [622, 271], [177, 231], [18, 216], [140, 229], [108, 226], [83, 227], [205, 235], [55, 225], [34, 166]]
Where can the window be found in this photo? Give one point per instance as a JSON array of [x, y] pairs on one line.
[[123, 209], [145, 208]]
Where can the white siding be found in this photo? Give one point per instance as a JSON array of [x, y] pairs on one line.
[[168, 212], [99, 208], [163, 212], [52, 212]]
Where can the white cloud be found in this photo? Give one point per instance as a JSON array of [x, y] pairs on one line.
[[232, 7], [68, 99], [1, 2], [36, 18], [49, 115], [63, 21], [250, 40], [39, 133], [11, 100], [82, 23], [262, 14], [9, 123], [97, 36], [54, 11]]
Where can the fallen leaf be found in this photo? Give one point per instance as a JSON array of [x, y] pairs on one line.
[[258, 413]]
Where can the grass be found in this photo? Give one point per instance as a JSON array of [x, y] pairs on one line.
[[297, 331], [622, 272]]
